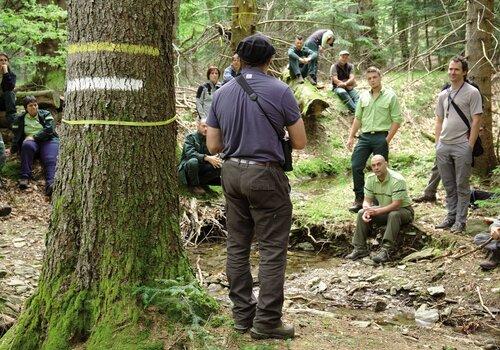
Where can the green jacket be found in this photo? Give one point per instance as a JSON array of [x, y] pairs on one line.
[[47, 133], [195, 146]]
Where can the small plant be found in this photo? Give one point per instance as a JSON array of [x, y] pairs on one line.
[[182, 301]]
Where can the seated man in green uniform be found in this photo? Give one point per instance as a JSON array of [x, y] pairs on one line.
[[388, 187], [197, 166], [299, 57]]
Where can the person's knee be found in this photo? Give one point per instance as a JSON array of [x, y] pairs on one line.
[[341, 92], [394, 215], [28, 145], [192, 163]]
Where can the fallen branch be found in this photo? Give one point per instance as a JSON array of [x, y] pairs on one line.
[[473, 250], [478, 290]]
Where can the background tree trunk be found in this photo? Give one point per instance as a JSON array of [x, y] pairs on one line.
[[479, 53], [114, 224], [368, 56], [244, 20]]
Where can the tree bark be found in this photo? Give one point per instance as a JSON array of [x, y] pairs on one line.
[[479, 52], [369, 55], [114, 225], [244, 20]]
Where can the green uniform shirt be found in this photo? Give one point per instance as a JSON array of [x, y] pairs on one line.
[[378, 114], [392, 188], [31, 125]]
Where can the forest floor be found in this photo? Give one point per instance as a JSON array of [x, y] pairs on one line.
[[333, 303]]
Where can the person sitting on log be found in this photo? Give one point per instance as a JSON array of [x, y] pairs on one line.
[[299, 61], [232, 70], [197, 167], [317, 41], [388, 187], [7, 103], [206, 91], [493, 247], [35, 135], [343, 81]]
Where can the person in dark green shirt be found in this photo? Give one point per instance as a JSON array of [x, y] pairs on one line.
[[378, 117], [299, 61], [388, 187], [197, 167]]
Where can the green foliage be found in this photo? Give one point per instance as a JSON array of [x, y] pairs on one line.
[[181, 301], [11, 169], [316, 167], [29, 25]]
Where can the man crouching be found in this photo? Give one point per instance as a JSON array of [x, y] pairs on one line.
[[388, 187]]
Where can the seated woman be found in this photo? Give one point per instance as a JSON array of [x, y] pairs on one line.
[[35, 135], [205, 92]]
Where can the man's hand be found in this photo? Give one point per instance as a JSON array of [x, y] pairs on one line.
[[366, 216], [5, 68], [495, 233], [321, 49], [7, 153], [350, 142], [215, 161], [303, 60]]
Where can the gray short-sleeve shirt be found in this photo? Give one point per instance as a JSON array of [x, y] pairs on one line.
[[468, 99], [246, 132]]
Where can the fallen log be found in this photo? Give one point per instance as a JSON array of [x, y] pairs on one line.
[[312, 102]]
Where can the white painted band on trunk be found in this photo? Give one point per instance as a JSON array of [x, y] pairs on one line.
[[104, 83]]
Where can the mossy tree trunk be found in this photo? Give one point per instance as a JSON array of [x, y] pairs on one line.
[[114, 224], [244, 20], [479, 52]]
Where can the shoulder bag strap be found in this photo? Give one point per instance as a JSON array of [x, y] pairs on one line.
[[254, 97]]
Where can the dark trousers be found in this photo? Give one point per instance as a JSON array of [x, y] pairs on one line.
[[434, 181], [201, 173], [8, 104], [258, 202], [296, 68], [367, 144], [394, 220], [313, 64], [47, 151]]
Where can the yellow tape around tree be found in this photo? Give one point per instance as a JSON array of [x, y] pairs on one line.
[[118, 122], [112, 47]]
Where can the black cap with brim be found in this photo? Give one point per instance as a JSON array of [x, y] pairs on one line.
[[255, 49]]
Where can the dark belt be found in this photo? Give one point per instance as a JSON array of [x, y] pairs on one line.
[[375, 132], [250, 162]]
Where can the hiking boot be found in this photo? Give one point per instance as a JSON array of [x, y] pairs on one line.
[[311, 79], [23, 184], [357, 254], [425, 198], [2, 184], [198, 191], [447, 223], [48, 190], [299, 79], [458, 227], [283, 331], [492, 261], [5, 210], [356, 206], [242, 327], [382, 256]]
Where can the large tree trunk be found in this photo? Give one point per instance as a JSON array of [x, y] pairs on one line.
[[368, 54], [479, 53], [402, 25], [114, 225], [244, 20]]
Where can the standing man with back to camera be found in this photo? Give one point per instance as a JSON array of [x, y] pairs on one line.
[[255, 186]]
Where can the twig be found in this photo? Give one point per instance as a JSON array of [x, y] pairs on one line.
[[478, 290], [200, 274], [473, 250]]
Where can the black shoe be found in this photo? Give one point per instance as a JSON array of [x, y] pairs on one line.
[[447, 223], [299, 79], [492, 261], [23, 184], [382, 256], [49, 190], [5, 210], [283, 331], [242, 327], [356, 206], [357, 254], [425, 198], [458, 227]]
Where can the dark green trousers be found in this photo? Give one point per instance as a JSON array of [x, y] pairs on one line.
[[393, 220], [367, 144]]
